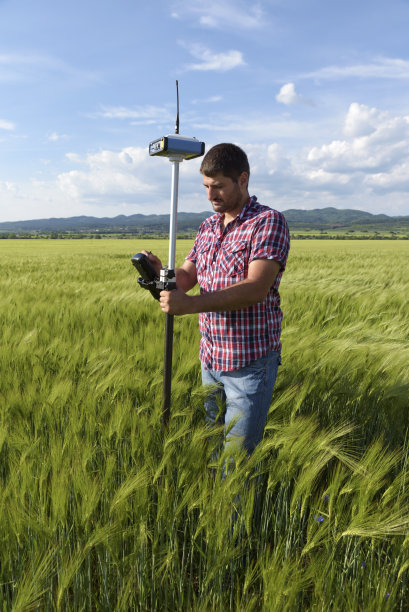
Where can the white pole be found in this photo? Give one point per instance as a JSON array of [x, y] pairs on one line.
[[173, 211]]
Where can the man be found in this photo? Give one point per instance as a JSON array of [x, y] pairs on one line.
[[238, 258]]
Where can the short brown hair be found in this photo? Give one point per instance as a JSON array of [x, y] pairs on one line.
[[225, 158]]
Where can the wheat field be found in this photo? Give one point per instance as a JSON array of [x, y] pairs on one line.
[[102, 510]]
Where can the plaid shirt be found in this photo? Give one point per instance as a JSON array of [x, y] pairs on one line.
[[232, 339]]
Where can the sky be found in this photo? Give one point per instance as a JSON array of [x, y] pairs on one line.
[[316, 93]]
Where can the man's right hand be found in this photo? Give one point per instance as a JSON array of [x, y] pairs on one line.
[[155, 261]]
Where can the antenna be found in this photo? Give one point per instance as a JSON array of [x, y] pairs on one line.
[[177, 109], [175, 146]]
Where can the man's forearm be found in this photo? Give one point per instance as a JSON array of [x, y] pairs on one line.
[[183, 280], [241, 295], [247, 292]]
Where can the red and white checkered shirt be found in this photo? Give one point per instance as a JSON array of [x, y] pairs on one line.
[[230, 340]]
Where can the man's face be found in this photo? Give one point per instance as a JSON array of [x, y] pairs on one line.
[[225, 195]]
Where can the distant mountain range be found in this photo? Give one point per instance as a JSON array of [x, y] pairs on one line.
[[318, 219]]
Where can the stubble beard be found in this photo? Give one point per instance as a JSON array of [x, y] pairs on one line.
[[233, 203]]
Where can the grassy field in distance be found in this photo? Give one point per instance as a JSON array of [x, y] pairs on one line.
[[101, 511]]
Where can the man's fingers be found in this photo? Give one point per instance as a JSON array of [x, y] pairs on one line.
[[164, 299], [149, 254], [155, 261]]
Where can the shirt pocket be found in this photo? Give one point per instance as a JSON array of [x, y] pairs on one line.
[[203, 259], [233, 260]]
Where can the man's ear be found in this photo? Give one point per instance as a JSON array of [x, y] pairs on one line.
[[243, 180]]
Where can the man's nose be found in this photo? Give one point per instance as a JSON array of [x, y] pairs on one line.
[[210, 193]]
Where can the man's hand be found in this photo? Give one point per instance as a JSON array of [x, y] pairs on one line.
[[155, 261], [175, 302]]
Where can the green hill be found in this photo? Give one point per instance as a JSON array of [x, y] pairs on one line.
[[330, 220]]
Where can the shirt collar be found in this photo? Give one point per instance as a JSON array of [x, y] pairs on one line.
[[246, 212], [247, 209]]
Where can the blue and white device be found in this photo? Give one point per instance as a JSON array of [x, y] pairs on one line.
[[177, 145]]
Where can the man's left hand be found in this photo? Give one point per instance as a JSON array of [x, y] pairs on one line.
[[174, 302]]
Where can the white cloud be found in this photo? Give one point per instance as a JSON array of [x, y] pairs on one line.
[[6, 125], [267, 160], [54, 136], [376, 142], [218, 14], [256, 126], [143, 114], [381, 68], [31, 67], [209, 100], [287, 95], [277, 161], [361, 120], [108, 174], [220, 62], [7, 187], [396, 180], [74, 157], [334, 182]]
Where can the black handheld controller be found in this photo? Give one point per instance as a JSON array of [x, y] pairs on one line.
[[150, 280]]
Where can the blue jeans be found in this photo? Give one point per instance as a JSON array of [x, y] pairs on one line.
[[246, 396]]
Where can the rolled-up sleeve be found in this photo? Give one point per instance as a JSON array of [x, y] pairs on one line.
[[271, 238]]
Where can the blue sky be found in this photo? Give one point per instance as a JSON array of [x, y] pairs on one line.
[[315, 92]]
